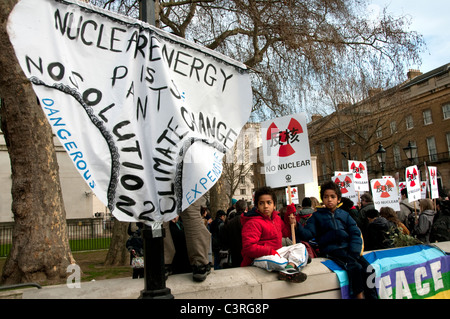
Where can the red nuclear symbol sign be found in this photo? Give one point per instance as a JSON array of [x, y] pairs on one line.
[[411, 176], [357, 169], [285, 138], [343, 184], [384, 189]]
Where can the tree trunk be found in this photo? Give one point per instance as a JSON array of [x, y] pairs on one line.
[[40, 250], [118, 254], [218, 198]]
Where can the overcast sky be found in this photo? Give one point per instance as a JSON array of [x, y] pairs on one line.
[[429, 18]]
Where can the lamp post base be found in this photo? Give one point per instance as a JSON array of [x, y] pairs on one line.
[[156, 294]]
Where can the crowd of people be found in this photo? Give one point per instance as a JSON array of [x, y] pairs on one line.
[[285, 239]]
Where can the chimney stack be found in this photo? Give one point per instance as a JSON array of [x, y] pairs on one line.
[[413, 73]]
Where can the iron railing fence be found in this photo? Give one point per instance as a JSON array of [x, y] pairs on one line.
[[84, 234]]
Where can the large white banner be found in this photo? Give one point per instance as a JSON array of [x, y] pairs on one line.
[[287, 159], [145, 116]]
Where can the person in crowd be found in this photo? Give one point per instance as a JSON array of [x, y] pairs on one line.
[[286, 241], [232, 209], [366, 204], [135, 245], [406, 208], [231, 234], [306, 211], [262, 233], [289, 210], [349, 207], [207, 220], [423, 224], [339, 239], [391, 215], [378, 230], [301, 216], [440, 231], [180, 260], [215, 228], [176, 259], [198, 239], [314, 203]]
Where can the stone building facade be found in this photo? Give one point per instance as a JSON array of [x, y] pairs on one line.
[[415, 113]]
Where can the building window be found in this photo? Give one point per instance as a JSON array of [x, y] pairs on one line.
[[242, 179], [448, 142], [393, 126], [414, 160], [342, 143], [243, 191], [409, 122], [379, 132], [431, 145], [446, 111], [322, 149], [427, 119], [345, 164], [353, 139], [397, 156], [332, 146]]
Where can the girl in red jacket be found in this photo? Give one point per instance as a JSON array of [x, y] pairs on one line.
[[262, 232]]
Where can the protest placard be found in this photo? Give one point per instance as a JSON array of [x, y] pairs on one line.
[[359, 170], [434, 190], [385, 193], [412, 183], [293, 195], [286, 155], [347, 185]]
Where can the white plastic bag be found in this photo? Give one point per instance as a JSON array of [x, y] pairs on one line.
[[296, 254]]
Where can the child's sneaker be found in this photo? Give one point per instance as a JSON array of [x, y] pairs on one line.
[[292, 274]]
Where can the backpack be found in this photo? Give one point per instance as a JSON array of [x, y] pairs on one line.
[[440, 231], [411, 221]]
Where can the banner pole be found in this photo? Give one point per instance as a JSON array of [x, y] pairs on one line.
[[292, 225], [415, 213]]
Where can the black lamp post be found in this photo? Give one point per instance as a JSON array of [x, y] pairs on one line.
[[153, 236], [410, 152], [381, 157]]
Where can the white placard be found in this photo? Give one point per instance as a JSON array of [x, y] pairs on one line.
[[294, 195], [412, 183], [359, 170], [347, 185], [432, 173], [287, 159], [385, 193]]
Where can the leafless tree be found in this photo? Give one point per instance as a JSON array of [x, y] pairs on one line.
[[236, 164], [294, 47]]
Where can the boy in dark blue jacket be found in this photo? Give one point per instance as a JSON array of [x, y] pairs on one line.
[[339, 239]]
